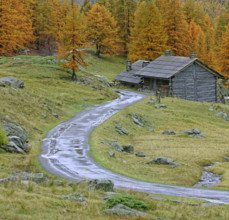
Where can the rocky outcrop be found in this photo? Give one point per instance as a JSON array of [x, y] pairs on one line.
[[163, 160], [121, 130], [140, 154], [101, 184], [17, 139], [75, 197], [169, 132], [196, 133], [122, 148], [12, 81], [138, 120], [222, 115], [123, 210]]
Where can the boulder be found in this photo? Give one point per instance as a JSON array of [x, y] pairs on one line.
[[101, 184], [123, 210], [160, 106], [13, 130], [197, 133], [169, 132], [138, 120], [140, 154], [121, 130], [12, 81], [152, 101], [111, 153], [163, 160], [223, 115], [75, 197], [11, 147], [116, 146], [128, 148], [18, 141]]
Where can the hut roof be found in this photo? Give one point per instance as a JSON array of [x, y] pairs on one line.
[[165, 67], [128, 76]]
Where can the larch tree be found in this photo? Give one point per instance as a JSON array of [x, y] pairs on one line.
[[102, 30], [223, 56], [175, 25], [72, 40], [148, 38], [16, 30]]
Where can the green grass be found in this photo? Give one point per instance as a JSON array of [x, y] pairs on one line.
[[191, 153]]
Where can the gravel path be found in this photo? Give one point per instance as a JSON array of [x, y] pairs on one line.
[[66, 153]]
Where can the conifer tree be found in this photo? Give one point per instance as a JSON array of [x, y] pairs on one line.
[[175, 25], [148, 38], [87, 6], [16, 30], [102, 30], [72, 40], [224, 53]]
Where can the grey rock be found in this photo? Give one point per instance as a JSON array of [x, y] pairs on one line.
[[221, 114], [104, 80], [101, 184], [12, 81], [84, 99], [17, 140], [138, 120], [123, 210], [121, 130], [116, 146], [169, 132], [140, 154], [111, 153], [151, 130], [158, 106], [163, 160], [208, 179], [211, 108], [59, 183], [44, 115], [152, 101], [128, 148], [106, 143], [211, 204], [227, 158], [75, 197], [13, 130], [52, 112], [35, 177], [11, 147], [197, 133]]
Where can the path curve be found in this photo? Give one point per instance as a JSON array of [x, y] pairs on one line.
[[66, 153]]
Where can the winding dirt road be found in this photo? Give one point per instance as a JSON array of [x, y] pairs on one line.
[[66, 153]]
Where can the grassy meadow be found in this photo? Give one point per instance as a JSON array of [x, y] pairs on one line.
[[47, 85], [191, 153]]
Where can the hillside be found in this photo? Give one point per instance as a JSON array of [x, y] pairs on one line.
[[47, 85]]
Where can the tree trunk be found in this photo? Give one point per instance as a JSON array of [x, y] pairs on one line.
[[97, 53], [74, 75]]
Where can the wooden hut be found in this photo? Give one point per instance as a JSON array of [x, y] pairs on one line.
[[184, 77]]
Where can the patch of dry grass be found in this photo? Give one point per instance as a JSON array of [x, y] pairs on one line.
[[191, 153]]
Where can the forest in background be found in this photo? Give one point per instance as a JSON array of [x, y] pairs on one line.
[[131, 28]]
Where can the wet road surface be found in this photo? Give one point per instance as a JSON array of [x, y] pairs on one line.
[[66, 153]]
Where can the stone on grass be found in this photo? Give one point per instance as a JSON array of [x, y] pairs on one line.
[[227, 158], [138, 120], [163, 160], [52, 112], [84, 99], [196, 133], [106, 143], [123, 210], [140, 154], [155, 198], [211, 108], [160, 106], [12, 81], [75, 197], [128, 148], [152, 101], [11, 147], [14, 130], [35, 177], [169, 132], [121, 130], [111, 153], [44, 115], [101, 184], [151, 130], [18, 141], [116, 146]]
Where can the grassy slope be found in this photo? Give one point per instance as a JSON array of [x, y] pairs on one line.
[[191, 153], [45, 84]]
